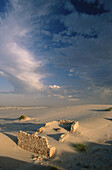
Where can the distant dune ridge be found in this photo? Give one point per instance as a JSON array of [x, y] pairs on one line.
[[89, 145], [22, 107]]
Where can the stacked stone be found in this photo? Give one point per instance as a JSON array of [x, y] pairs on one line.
[[39, 144], [66, 121], [72, 125], [36, 144]]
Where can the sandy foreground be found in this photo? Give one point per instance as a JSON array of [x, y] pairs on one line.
[[95, 131]]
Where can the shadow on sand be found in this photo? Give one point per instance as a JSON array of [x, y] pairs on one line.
[[9, 128], [97, 156], [7, 119], [110, 142], [15, 127], [108, 119], [55, 136], [12, 137], [100, 110], [7, 163]]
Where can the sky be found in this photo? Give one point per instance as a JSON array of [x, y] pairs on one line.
[[55, 52]]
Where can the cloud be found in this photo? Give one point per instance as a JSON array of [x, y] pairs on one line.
[[19, 69], [63, 93], [71, 70], [54, 87], [91, 8], [73, 99], [101, 95], [76, 44], [86, 44], [66, 97], [59, 96], [89, 48], [17, 63]]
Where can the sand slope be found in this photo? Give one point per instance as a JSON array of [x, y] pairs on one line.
[[95, 130]]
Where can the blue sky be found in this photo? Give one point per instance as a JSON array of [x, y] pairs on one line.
[[55, 52]]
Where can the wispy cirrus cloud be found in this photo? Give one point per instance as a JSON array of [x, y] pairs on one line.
[[74, 40], [17, 63], [19, 68], [90, 45]]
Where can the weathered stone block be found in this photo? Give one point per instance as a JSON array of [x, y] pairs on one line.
[[74, 126], [63, 137], [69, 125], [35, 143]]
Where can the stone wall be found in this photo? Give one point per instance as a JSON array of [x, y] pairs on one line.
[[69, 125], [39, 144], [35, 143]]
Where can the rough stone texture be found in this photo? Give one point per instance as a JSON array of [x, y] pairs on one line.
[[70, 125], [63, 137], [74, 126], [39, 144], [35, 143], [65, 121], [40, 130]]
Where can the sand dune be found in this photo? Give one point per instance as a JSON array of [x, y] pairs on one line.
[[95, 131]]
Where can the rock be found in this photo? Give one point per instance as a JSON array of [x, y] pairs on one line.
[[52, 152], [63, 137], [74, 126], [37, 159], [39, 144], [69, 125], [40, 130], [35, 143]]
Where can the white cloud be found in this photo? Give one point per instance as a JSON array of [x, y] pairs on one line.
[[20, 67], [17, 64], [70, 74], [71, 70], [59, 96], [67, 98], [54, 87], [76, 49], [73, 99]]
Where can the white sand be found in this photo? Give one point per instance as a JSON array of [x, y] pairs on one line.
[[95, 130]]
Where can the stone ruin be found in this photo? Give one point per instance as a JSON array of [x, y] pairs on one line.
[[39, 144], [35, 143], [69, 125], [63, 137]]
